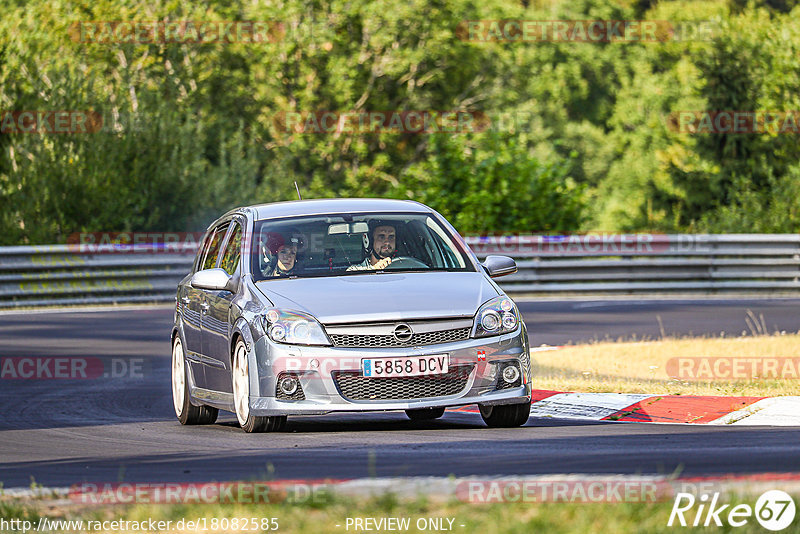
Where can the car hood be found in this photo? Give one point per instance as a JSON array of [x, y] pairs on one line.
[[382, 297]]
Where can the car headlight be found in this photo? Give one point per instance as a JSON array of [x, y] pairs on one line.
[[294, 328], [498, 316]]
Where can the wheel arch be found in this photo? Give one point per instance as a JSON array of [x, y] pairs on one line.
[[177, 329], [241, 330]]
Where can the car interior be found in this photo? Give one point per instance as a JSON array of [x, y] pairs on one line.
[[331, 247]]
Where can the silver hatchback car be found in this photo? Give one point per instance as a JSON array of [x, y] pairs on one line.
[[319, 306]]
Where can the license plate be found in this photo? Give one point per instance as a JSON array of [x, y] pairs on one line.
[[434, 364]]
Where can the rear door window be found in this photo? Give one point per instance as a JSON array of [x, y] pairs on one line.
[[201, 251]]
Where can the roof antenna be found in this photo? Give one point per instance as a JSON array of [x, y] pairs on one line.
[[298, 191]]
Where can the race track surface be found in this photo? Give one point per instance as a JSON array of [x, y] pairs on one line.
[[64, 432]]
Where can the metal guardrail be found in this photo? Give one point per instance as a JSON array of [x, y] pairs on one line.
[[50, 275], [648, 263], [591, 263]]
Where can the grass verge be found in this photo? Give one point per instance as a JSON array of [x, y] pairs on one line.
[[654, 367], [332, 515]]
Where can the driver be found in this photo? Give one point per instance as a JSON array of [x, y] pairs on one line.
[[382, 244], [282, 257]]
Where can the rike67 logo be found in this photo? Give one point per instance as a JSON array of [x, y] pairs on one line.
[[774, 510]]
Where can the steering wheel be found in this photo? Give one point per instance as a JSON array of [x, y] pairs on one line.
[[406, 262]]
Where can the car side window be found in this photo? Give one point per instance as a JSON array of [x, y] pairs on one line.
[[230, 257], [201, 251], [210, 259]]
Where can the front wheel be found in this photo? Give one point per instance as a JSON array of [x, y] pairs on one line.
[[425, 414], [188, 413], [241, 397], [506, 415]]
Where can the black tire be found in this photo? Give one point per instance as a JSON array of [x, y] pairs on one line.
[[425, 414], [257, 424], [201, 415], [506, 415], [188, 413], [250, 423]]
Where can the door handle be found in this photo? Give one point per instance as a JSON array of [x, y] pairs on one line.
[[205, 306], [185, 300]]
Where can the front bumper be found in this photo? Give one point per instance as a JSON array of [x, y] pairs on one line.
[[315, 368]]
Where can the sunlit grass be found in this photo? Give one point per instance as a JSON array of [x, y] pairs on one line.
[[331, 515], [642, 367]]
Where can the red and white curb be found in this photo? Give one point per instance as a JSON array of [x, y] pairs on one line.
[[642, 408]]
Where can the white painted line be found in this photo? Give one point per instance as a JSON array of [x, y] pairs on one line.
[[545, 348], [584, 405], [747, 411], [606, 303], [775, 411], [32, 493]]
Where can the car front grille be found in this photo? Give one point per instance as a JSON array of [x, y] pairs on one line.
[[353, 386], [417, 340]]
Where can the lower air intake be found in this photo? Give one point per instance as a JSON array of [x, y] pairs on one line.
[[353, 386]]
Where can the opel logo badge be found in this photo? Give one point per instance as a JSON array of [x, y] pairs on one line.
[[403, 333]]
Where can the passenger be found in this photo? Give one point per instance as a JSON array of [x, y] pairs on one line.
[[381, 245], [283, 256]]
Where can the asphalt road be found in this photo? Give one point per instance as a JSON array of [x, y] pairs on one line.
[[63, 432]]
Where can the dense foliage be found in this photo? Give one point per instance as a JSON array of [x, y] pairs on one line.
[[583, 136]]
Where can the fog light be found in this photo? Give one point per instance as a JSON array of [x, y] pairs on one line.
[[288, 385], [510, 374]]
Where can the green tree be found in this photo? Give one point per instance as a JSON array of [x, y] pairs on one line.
[[489, 183]]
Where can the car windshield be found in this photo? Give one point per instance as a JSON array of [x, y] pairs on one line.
[[353, 244]]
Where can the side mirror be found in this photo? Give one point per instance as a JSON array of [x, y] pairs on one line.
[[212, 279], [498, 266]]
